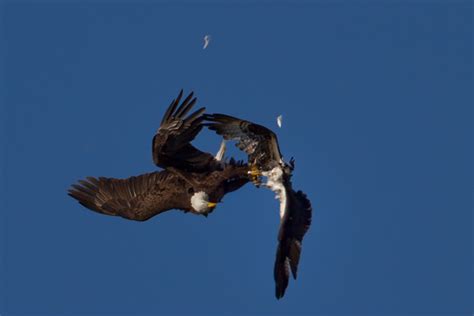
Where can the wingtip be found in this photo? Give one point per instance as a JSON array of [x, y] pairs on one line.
[[185, 106], [294, 273], [279, 293]]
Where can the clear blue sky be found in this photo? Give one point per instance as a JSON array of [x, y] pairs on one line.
[[378, 112]]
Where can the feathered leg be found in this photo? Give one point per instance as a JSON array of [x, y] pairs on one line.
[[220, 154]]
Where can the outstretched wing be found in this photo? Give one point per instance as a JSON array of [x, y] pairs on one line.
[[137, 198], [259, 142], [295, 222], [172, 142]]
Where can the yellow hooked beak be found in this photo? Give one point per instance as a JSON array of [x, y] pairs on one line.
[[211, 204]]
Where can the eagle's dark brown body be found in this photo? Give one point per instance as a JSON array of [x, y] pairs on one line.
[[194, 181], [188, 171], [218, 183], [142, 197]]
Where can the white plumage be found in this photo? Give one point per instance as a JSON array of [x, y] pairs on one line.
[[279, 120], [275, 183], [207, 40], [199, 202]]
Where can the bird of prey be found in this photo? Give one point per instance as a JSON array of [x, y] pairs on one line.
[[171, 145], [265, 159], [193, 181]]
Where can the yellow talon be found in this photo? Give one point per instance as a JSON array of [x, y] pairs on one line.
[[254, 171], [255, 174]]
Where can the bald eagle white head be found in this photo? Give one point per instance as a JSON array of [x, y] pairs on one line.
[[200, 202]]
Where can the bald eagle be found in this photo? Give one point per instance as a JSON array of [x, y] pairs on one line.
[[193, 181], [265, 159], [171, 145]]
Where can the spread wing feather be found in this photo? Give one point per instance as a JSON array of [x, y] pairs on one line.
[[137, 198], [293, 226], [256, 140], [261, 145], [171, 144]]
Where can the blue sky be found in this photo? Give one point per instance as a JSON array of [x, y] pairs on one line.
[[377, 104]]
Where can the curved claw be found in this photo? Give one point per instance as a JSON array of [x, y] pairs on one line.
[[254, 171], [255, 175]]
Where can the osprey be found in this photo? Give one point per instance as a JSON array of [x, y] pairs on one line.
[[265, 159], [193, 181]]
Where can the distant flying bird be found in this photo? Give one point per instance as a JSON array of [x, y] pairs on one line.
[[193, 181], [207, 40], [279, 120], [266, 160]]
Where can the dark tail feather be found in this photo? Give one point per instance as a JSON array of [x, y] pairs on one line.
[[281, 271], [287, 258], [294, 256]]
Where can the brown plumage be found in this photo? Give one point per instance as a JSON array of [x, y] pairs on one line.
[[171, 145], [189, 175], [261, 145], [293, 226], [259, 142], [142, 197], [193, 181]]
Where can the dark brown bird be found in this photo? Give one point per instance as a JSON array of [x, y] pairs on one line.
[[265, 159], [172, 143], [193, 181]]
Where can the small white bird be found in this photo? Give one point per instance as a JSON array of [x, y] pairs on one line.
[[207, 39], [279, 120]]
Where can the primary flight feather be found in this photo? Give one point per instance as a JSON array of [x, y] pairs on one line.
[[193, 181], [265, 159]]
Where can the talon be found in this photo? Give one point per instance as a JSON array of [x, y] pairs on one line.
[[257, 183], [255, 174], [254, 171]]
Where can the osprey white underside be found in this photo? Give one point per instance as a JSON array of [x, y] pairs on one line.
[[275, 183]]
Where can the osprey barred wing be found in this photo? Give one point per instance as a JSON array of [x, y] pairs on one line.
[[261, 145], [257, 141], [293, 226], [137, 198], [172, 143]]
